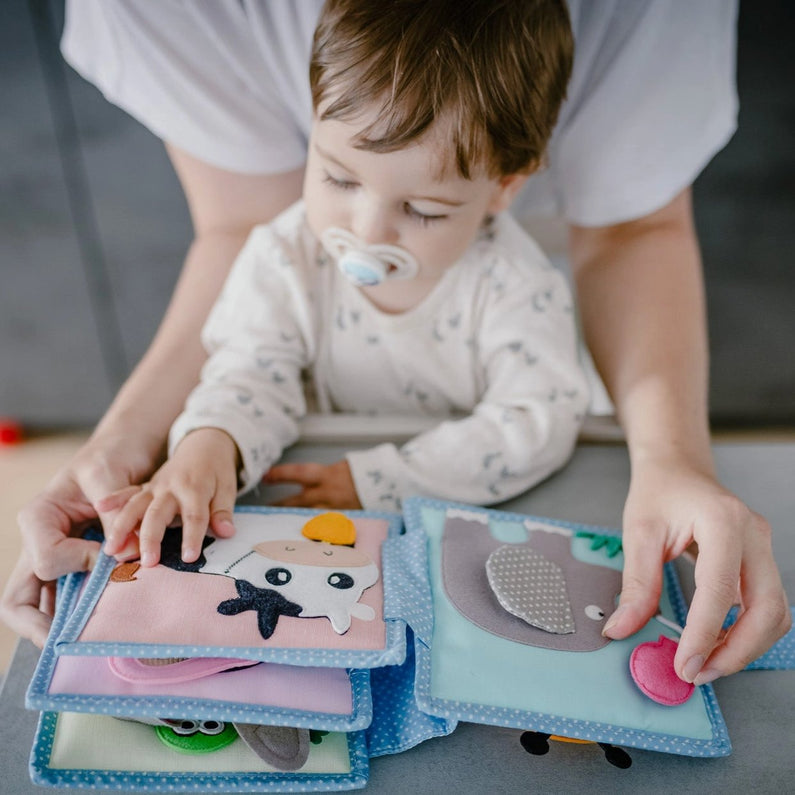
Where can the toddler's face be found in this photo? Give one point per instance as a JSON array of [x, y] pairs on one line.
[[398, 198]]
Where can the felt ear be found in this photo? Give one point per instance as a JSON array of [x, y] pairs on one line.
[[531, 587], [281, 746], [332, 527], [131, 669]]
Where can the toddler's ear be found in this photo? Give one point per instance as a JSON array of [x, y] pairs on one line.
[[506, 190]]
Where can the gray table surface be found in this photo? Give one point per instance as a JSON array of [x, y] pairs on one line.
[[759, 706]]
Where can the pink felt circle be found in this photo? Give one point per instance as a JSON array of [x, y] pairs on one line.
[[652, 667]]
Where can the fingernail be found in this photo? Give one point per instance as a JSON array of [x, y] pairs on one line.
[[189, 554], [707, 676], [226, 527], [692, 667], [147, 559], [613, 620]]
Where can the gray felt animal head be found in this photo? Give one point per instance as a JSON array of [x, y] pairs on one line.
[[534, 592]]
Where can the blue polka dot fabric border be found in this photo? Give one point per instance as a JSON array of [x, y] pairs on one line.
[[780, 657], [348, 765]]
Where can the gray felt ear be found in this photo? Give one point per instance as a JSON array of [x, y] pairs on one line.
[[531, 587], [280, 746]]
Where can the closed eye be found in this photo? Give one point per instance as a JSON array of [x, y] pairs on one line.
[[422, 218], [339, 184]]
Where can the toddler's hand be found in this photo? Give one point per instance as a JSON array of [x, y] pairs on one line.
[[323, 486], [668, 507], [198, 483]]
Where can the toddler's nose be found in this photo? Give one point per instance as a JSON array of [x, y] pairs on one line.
[[372, 226]]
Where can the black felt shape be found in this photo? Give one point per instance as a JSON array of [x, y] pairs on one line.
[[536, 743], [617, 757], [267, 603], [171, 551]]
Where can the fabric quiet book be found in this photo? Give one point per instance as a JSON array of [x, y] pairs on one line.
[[289, 655]]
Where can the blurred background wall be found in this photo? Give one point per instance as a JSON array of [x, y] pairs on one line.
[[93, 228]]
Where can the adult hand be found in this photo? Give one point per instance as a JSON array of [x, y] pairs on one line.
[[52, 525], [322, 486], [669, 506]]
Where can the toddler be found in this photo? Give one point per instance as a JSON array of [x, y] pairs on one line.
[[398, 284]]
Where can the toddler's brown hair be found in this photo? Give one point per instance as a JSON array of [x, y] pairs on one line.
[[494, 72]]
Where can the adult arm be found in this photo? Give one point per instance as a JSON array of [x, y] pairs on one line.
[[643, 311], [129, 441]]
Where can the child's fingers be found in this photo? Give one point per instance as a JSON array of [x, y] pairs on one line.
[[130, 550], [306, 498], [160, 513], [304, 474], [195, 514], [222, 507], [126, 522]]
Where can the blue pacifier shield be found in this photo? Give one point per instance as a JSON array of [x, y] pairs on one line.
[[362, 269]]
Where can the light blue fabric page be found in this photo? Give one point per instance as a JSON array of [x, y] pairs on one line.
[[477, 676]]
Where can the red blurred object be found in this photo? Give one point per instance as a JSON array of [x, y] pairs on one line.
[[10, 432]]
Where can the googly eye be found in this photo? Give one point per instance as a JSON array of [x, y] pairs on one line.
[[185, 727], [211, 727], [278, 576], [594, 612]]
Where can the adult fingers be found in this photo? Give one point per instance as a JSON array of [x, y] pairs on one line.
[[766, 616], [46, 523], [641, 583], [717, 574], [21, 601], [116, 500]]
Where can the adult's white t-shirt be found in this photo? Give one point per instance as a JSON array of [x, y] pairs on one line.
[[652, 96]]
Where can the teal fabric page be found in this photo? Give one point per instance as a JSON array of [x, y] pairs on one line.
[[471, 665]]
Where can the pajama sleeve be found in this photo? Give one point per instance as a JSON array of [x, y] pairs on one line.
[[258, 339], [525, 424]]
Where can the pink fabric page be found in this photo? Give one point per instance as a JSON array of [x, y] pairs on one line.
[[164, 606], [268, 684]]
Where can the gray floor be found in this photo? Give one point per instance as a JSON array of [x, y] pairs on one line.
[[93, 227]]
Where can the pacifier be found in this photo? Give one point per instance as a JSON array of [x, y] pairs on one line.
[[367, 265]]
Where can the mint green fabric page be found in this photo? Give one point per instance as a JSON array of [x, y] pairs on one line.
[[473, 666]]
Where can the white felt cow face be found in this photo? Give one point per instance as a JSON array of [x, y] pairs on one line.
[[324, 579]]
